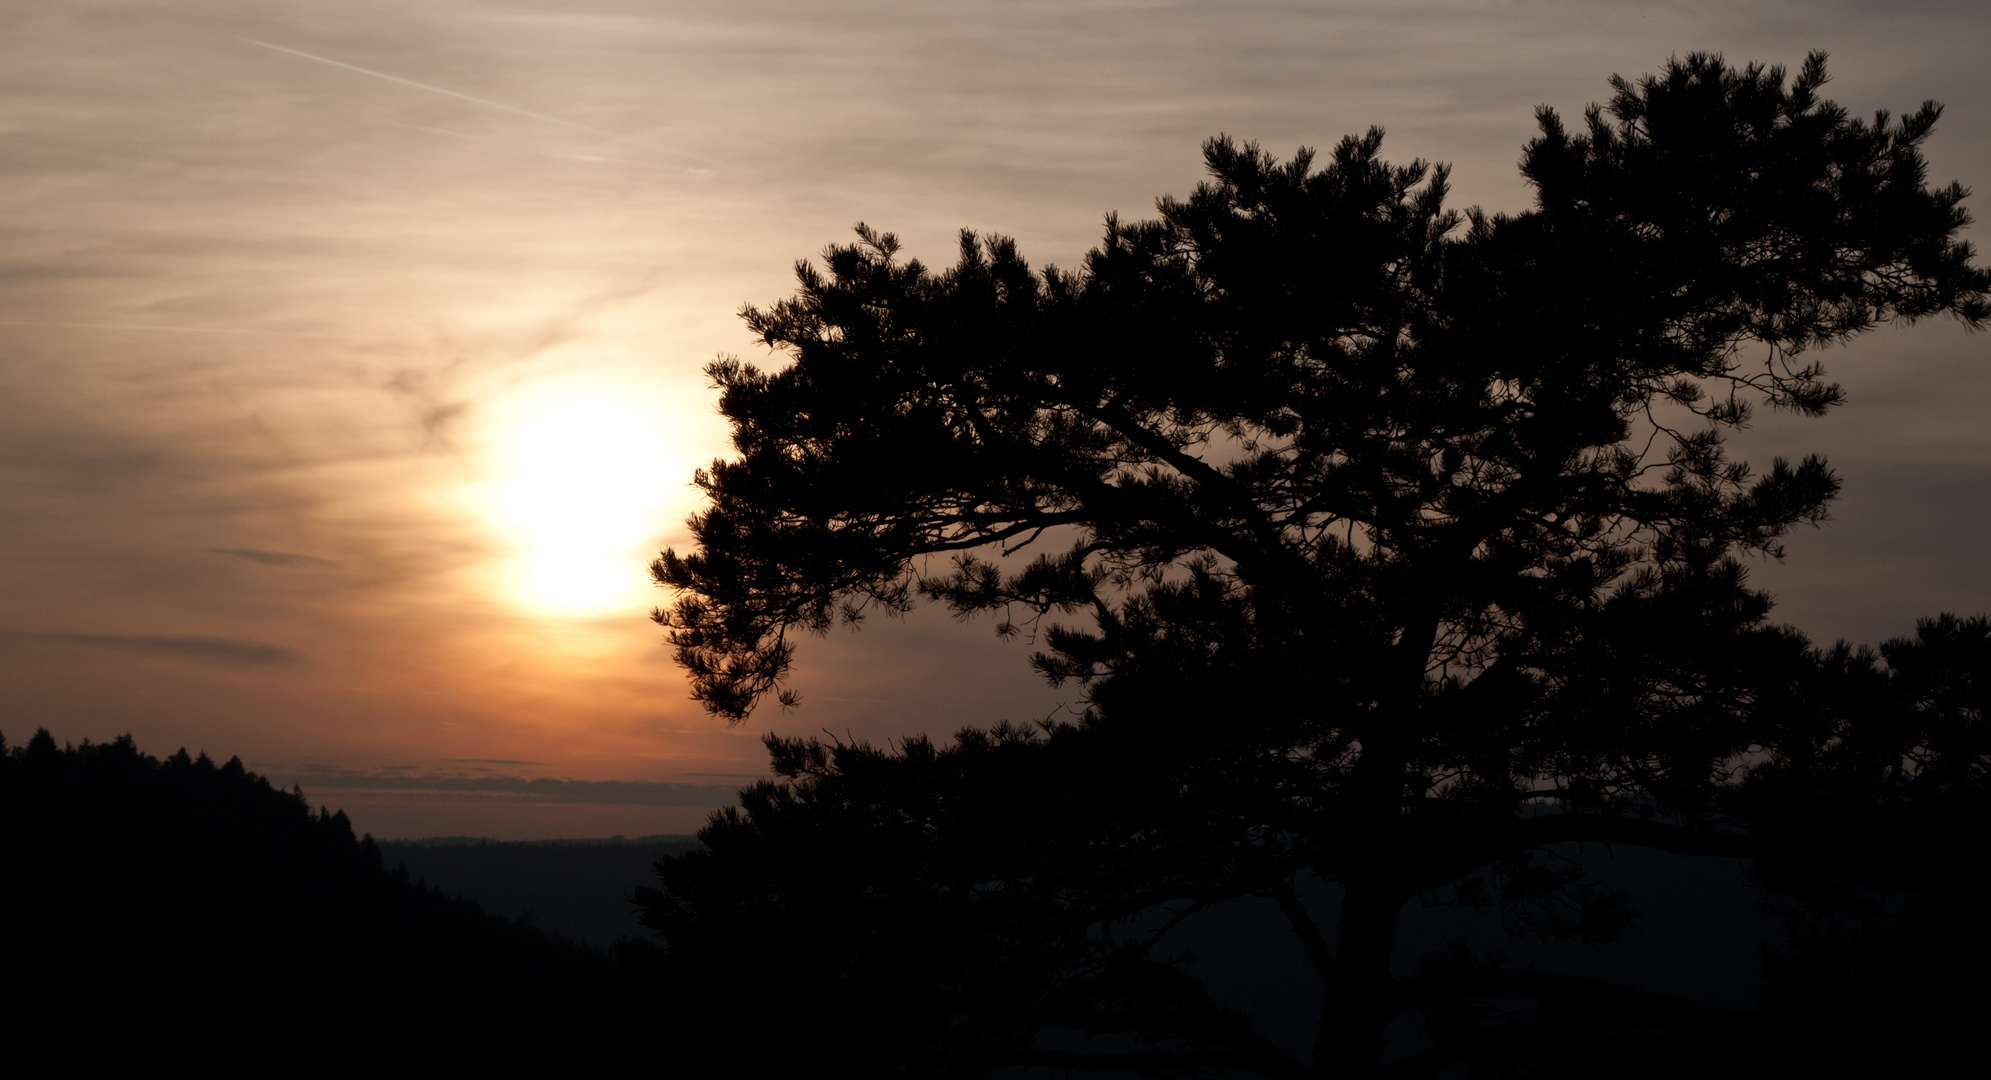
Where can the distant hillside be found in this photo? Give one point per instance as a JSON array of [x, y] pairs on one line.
[[578, 889], [156, 909]]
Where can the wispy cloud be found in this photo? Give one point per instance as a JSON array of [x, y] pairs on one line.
[[271, 558], [204, 649], [162, 328]]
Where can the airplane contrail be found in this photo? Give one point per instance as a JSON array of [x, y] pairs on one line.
[[499, 105]]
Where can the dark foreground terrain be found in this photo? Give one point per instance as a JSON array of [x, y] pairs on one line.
[[183, 910], [159, 909], [156, 901]]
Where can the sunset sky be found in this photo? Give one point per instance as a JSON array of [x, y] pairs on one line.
[[350, 353]]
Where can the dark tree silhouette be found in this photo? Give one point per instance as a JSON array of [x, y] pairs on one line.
[[1872, 812], [1393, 544], [160, 910]]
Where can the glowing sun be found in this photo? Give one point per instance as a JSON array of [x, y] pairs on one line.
[[583, 476]]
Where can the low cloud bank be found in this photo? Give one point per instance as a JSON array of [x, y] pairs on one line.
[[599, 792]]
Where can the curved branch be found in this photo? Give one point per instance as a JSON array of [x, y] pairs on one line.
[[1318, 952]]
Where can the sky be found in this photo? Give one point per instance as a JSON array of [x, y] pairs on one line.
[[350, 354]]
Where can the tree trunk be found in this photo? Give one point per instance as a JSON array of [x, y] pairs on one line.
[[1360, 1001]]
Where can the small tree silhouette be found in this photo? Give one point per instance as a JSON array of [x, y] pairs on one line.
[[1401, 543]]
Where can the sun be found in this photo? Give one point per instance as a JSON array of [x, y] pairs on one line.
[[582, 478]]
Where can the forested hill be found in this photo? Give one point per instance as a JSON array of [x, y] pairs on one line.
[[180, 903]]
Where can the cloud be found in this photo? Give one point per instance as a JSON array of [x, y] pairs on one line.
[[271, 558], [599, 792], [153, 327], [204, 649]]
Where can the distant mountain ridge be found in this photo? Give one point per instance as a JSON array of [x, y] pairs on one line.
[[581, 841]]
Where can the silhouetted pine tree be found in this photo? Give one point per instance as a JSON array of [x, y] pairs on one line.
[[1397, 546]]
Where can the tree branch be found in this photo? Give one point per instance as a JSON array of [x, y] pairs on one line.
[[1317, 948]]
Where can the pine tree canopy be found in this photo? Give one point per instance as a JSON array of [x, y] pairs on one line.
[[1387, 543], [1312, 405]]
